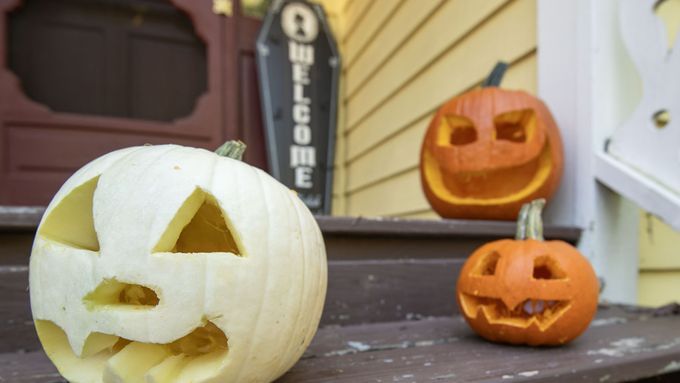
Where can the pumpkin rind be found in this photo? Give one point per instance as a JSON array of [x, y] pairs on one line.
[[528, 291], [490, 178], [263, 297]]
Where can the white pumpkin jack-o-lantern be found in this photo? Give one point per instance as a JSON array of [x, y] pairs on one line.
[[174, 264]]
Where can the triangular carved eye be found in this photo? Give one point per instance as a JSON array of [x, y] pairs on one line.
[[487, 266], [199, 226], [71, 221]]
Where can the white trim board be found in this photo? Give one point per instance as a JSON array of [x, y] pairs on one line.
[[585, 80], [629, 182]]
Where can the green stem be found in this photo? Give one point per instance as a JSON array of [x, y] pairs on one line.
[[521, 233], [529, 221], [535, 222], [496, 75], [233, 149]]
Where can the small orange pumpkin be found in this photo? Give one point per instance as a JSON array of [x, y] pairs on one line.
[[489, 151], [528, 291]]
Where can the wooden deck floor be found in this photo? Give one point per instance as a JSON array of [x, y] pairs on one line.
[[622, 344]]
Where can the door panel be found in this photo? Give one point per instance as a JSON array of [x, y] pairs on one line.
[[251, 127], [41, 147]]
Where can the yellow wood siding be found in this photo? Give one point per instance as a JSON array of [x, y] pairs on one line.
[[402, 59], [656, 288], [659, 281]]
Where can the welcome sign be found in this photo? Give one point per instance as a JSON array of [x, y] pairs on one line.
[[298, 67]]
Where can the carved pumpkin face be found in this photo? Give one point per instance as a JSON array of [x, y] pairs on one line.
[[166, 262], [528, 292], [489, 151]]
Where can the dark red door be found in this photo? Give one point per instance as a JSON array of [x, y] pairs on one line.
[[83, 77]]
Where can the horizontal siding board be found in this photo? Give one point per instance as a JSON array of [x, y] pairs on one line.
[[659, 248], [369, 26], [398, 194], [656, 288], [449, 25], [401, 152], [505, 38], [398, 29], [423, 214], [354, 16]]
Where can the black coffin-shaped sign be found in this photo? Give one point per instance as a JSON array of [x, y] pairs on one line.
[[298, 66]]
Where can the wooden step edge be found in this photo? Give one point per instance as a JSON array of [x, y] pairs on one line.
[[442, 228], [28, 217], [20, 218]]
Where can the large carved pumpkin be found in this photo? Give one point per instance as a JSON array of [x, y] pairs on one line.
[[173, 264], [488, 151], [528, 291]]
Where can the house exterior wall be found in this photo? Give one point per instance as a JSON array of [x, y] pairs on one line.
[[401, 60], [404, 58]]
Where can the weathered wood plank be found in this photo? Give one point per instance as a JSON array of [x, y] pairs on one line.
[[390, 290], [20, 217], [451, 229], [622, 344], [395, 227], [15, 247], [16, 326], [358, 292]]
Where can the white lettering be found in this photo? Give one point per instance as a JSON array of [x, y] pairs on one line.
[[299, 95], [301, 114], [302, 156], [302, 134], [303, 177], [300, 53], [300, 74]]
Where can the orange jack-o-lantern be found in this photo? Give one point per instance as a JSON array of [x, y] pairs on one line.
[[488, 151], [527, 291]]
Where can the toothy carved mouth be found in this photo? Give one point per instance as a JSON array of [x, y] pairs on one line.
[[539, 312], [114, 358], [491, 187]]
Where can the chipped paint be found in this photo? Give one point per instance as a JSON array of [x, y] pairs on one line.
[[608, 321], [626, 346], [605, 378], [528, 374], [620, 347], [670, 367], [441, 377], [359, 346], [507, 377]]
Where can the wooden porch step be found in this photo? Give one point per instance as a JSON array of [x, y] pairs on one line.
[[380, 270], [622, 344], [390, 313]]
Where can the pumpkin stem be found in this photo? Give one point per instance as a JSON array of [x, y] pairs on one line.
[[496, 75], [534, 221], [233, 149], [521, 233]]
